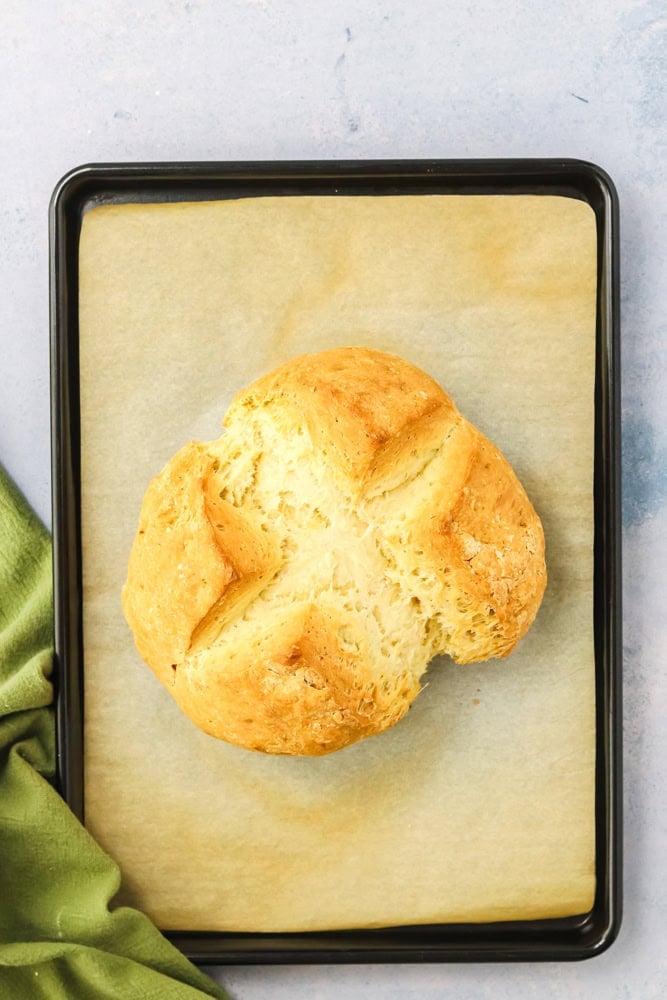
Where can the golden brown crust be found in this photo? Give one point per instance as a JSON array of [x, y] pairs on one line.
[[290, 582], [487, 544], [191, 552], [498, 539], [295, 691], [363, 408]]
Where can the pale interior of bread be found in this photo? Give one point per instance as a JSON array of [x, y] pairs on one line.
[[333, 549]]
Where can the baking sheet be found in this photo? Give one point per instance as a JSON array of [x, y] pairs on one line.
[[480, 804]]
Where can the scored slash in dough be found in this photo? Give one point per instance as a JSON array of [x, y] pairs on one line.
[[290, 581]]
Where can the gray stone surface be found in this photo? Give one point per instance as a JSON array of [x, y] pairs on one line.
[[281, 79]]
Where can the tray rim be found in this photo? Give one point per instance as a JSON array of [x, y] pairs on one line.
[[571, 938]]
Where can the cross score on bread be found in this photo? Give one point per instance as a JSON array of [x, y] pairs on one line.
[[290, 581]]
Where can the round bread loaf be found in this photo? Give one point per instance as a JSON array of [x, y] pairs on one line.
[[290, 581]]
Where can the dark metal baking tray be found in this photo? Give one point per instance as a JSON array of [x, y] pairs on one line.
[[559, 939]]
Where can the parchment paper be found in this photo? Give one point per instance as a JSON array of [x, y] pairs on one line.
[[479, 805]]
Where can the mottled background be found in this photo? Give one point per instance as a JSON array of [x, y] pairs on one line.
[[290, 79]]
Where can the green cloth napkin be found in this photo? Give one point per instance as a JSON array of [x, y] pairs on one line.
[[59, 936]]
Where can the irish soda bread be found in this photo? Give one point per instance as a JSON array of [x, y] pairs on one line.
[[290, 581]]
